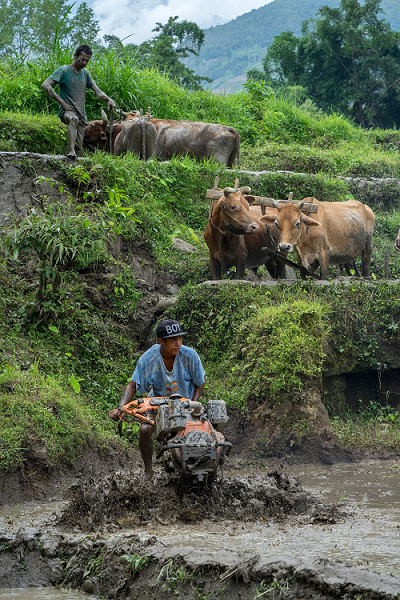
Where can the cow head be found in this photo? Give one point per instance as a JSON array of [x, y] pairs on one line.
[[232, 214], [97, 132], [291, 223]]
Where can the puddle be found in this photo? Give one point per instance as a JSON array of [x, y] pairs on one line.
[[30, 510], [372, 484], [368, 537], [42, 594]]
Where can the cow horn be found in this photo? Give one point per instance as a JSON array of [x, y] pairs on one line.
[[300, 204], [229, 190], [276, 203], [123, 113], [104, 116], [245, 189]]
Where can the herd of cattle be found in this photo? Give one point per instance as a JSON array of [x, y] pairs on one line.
[[163, 138], [237, 233]]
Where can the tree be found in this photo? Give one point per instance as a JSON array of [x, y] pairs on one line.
[[347, 59], [35, 27], [174, 42]]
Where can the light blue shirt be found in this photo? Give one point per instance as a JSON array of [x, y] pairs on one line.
[[151, 374]]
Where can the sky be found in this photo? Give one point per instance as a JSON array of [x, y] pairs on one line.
[[137, 18]]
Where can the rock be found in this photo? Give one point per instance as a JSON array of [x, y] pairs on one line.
[[164, 303], [88, 586], [182, 246]]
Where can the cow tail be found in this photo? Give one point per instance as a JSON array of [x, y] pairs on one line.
[[143, 132]]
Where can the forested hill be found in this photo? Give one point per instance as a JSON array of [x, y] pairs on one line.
[[230, 50]]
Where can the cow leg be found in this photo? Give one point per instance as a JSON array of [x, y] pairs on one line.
[[303, 272], [323, 271], [240, 269], [280, 270], [215, 268], [366, 255], [271, 268]]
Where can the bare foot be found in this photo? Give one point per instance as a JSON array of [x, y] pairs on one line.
[[148, 475]]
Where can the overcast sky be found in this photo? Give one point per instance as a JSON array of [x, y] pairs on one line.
[[138, 17]]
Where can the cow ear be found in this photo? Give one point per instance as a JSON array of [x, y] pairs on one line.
[[309, 221], [250, 199], [268, 218], [103, 136]]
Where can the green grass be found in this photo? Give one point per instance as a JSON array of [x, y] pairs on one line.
[[368, 433], [24, 132], [39, 414]]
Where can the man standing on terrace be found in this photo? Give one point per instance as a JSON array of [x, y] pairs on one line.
[[73, 81]]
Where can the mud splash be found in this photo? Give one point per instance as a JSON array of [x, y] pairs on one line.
[[126, 500]]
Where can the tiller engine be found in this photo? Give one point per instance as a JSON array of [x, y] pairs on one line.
[[189, 443]]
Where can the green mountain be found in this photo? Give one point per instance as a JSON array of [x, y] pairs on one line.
[[233, 48]]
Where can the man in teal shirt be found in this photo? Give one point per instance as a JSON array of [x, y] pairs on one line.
[[73, 80]]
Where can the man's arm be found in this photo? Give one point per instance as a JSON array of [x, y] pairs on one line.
[[127, 397], [198, 391], [48, 86], [97, 92]]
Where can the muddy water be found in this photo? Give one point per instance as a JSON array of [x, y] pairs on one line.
[[43, 594], [369, 536]]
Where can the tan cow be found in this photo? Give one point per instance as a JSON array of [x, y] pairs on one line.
[[340, 232], [235, 235]]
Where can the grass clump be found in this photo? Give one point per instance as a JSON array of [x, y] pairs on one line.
[[375, 428], [37, 413], [28, 132], [276, 352]]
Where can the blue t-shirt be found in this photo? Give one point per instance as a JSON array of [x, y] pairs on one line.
[[73, 88], [151, 374]]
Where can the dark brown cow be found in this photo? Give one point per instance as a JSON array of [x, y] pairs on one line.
[[340, 232], [235, 235]]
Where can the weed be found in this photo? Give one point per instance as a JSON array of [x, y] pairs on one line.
[[171, 576], [276, 589], [137, 561]]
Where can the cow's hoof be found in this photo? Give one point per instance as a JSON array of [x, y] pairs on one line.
[[72, 156]]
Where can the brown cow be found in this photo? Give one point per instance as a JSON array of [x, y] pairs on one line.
[[397, 242], [230, 232], [138, 136], [341, 232], [196, 139]]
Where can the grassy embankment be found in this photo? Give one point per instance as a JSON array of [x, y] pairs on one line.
[[75, 351]]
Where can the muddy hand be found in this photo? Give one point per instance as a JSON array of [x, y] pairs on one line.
[[115, 414], [67, 107], [111, 105]]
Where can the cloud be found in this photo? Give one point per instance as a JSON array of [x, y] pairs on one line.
[[137, 18]]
